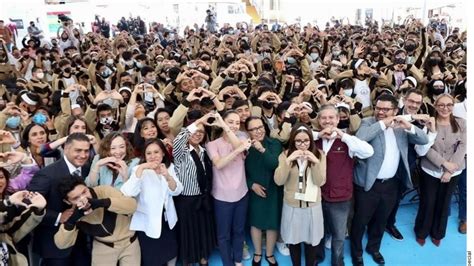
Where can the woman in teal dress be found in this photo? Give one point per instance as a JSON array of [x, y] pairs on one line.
[[265, 196]]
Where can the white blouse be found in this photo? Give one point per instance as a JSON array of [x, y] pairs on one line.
[[152, 193]]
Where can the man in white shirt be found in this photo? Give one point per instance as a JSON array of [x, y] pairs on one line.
[[376, 178], [341, 151]]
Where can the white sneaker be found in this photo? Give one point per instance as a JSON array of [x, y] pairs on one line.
[[327, 243], [283, 249], [245, 252]]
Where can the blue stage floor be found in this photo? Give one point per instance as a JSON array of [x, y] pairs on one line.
[[452, 250]]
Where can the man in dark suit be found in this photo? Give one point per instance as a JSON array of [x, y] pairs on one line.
[[46, 181], [411, 111], [376, 178]]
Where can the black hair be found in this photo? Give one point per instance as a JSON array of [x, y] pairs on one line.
[[265, 125], [166, 157], [76, 137], [240, 103], [68, 184], [138, 140], [25, 141], [388, 98], [145, 70]]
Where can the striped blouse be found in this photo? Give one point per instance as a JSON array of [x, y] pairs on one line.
[[184, 163]]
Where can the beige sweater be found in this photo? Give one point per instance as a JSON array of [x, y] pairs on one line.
[[288, 176]]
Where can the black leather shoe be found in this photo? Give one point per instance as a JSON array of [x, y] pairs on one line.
[[378, 258], [358, 261], [394, 233], [257, 263]]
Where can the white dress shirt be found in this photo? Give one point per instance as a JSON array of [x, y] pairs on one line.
[[357, 147]]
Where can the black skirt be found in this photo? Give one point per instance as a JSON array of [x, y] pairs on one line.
[[196, 228], [158, 251]]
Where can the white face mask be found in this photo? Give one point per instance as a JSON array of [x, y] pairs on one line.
[[139, 65], [106, 120], [40, 75], [348, 92], [110, 61], [314, 56]]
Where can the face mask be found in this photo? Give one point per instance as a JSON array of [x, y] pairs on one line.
[[67, 70], [291, 60], [435, 61], [267, 105], [410, 47], [314, 56], [106, 73], [110, 61], [106, 120], [438, 91], [39, 118], [13, 122], [348, 92], [40, 75], [336, 53], [139, 65], [343, 124], [267, 67]]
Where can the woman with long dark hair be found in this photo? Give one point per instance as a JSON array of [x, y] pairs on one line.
[[302, 172], [441, 167]]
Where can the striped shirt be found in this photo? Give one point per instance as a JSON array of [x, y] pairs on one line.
[[184, 163]]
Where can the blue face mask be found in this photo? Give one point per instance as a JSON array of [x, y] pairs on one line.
[[291, 60], [13, 122], [39, 118]]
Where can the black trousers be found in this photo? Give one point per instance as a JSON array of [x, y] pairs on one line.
[[80, 254], [433, 211], [372, 209], [310, 254]]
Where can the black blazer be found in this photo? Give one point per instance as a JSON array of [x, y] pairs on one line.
[[46, 182]]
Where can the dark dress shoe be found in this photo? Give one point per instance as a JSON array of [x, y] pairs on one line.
[[358, 261], [420, 241], [394, 233], [462, 227], [257, 263], [378, 258], [436, 242], [267, 258]]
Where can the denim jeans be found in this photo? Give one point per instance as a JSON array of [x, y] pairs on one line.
[[335, 220], [230, 221]]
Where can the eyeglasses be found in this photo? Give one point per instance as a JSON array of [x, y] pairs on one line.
[[256, 129], [385, 110], [302, 142], [442, 106]]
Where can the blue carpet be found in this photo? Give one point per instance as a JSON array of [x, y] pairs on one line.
[[452, 250]]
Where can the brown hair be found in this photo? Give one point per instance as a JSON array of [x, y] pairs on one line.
[[452, 120], [104, 148], [70, 121], [298, 128]]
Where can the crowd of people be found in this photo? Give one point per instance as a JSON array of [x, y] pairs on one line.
[[149, 149]]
